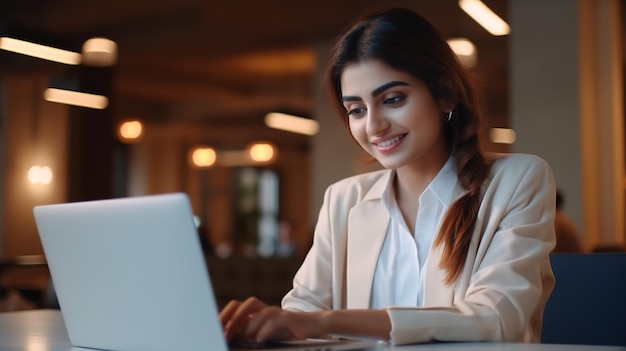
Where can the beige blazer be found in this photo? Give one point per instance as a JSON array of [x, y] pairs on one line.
[[502, 290]]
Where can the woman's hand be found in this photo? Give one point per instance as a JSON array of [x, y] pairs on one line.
[[254, 320]]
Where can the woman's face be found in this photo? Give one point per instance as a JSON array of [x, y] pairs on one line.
[[393, 115]]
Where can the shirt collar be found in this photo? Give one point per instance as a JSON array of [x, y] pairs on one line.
[[445, 186]]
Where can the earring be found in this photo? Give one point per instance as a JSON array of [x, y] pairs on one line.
[[449, 116]]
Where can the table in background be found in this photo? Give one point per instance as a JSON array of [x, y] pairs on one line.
[[45, 330], [25, 278]]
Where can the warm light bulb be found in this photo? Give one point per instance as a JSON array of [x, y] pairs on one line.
[[76, 98], [130, 131], [482, 14], [99, 52], [465, 50], [39, 51], [502, 135], [40, 175], [262, 152], [203, 156], [291, 123]]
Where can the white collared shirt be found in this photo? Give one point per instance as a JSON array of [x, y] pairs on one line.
[[398, 279]]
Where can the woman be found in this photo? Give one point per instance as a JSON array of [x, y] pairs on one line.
[[445, 244]]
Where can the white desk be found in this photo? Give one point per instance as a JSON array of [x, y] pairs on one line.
[[44, 330]]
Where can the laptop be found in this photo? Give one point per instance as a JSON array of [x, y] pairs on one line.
[[130, 275]]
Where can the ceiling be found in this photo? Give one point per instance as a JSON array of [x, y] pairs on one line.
[[227, 61]]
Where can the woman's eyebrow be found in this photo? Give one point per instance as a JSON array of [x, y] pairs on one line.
[[386, 86], [376, 91], [350, 98]]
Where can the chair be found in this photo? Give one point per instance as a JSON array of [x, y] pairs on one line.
[[588, 304]]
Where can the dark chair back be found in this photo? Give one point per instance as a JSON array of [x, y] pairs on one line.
[[588, 304]]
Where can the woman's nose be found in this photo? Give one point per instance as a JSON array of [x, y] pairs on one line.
[[376, 123]]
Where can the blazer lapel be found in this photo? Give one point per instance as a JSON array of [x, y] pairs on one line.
[[367, 230], [436, 292]]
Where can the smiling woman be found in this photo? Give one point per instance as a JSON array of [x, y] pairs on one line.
[[445, 244]]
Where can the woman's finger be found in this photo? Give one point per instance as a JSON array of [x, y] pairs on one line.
[[240, 317], [278, 328], [227, 312], [274, 323], [259, 319]]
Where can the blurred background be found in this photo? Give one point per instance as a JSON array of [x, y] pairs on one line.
[[188, 94]]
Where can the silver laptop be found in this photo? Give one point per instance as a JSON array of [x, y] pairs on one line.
[[130, 275]]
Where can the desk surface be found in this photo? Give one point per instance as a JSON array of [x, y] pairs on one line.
[[45, 330]]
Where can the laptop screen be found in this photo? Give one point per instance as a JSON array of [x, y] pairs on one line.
[[130, 274]]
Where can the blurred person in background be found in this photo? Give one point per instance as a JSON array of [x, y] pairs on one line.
[[567, 239]]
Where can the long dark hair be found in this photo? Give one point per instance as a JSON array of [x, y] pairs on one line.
[[407, 42]]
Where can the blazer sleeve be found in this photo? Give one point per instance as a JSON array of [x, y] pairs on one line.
[[507, 278]]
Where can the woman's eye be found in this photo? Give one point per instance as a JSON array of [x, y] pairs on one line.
[[393, 100], [356, 111]]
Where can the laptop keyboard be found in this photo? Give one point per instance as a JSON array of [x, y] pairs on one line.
[[247, 345]]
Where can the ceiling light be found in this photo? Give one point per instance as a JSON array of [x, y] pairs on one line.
[[262, 152], [99, 52], [485, 17], [40, 175], [203, 156], [40, 51], [291, 123], [130, 131], [502, 135], [76, 98], [465, 50]]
